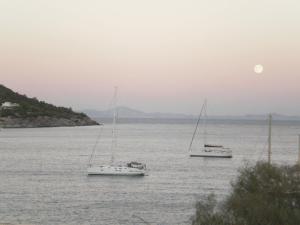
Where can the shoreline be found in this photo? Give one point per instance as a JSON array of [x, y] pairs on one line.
[[45, 121]]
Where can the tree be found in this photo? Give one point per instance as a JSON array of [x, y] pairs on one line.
[[261, 195]]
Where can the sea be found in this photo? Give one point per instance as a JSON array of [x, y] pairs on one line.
[[43, 171]]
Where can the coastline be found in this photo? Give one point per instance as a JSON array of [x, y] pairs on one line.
[[45, 121]]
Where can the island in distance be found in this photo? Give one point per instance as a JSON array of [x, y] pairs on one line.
[[125, 112], [20, 111]]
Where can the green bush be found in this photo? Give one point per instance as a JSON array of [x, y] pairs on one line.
[[261, 195]]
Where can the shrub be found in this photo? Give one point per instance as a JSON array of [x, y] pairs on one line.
[[261, 195]]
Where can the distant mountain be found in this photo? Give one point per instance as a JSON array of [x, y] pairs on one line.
[[274, 115], [18, 110], [126, 112]]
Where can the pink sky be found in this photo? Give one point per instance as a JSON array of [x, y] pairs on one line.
[[165, 55]]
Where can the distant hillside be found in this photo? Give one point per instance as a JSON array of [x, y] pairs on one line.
[[125, 112], [31, 112], [128, 113], [275, 117]]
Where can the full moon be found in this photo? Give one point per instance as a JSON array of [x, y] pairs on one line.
[[258, 69]]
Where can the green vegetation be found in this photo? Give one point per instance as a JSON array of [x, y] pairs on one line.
[[32, 107], [261, 195]]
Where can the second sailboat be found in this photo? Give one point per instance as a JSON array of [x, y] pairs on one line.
[[208, 150]]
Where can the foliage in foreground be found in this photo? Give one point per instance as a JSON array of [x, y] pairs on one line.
[[261, 195]]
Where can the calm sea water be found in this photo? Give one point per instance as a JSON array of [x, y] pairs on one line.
[[43, 171]]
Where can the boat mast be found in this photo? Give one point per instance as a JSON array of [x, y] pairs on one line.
[[205, 123], [113, 140], [195, 131], [270, 139], [94, 149], [299, 149]]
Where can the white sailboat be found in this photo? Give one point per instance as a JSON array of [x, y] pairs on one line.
[[113, 169], [208, 150]]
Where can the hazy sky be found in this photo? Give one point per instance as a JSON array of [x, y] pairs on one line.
[[165, 55]]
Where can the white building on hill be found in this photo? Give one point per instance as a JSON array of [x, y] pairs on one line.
[[9, 105]]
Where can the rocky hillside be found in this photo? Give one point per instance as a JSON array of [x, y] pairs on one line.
[[21, 111]]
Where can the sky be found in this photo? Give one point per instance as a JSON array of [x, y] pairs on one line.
[[164, 55]]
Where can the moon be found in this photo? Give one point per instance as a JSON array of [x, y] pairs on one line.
[[258, 69]]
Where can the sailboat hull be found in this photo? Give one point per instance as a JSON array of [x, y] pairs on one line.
[[213, 152], [210, 156], [115, 171]]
